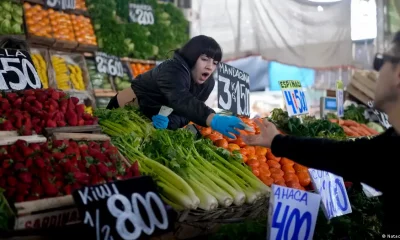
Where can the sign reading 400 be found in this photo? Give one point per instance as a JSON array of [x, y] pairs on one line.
[[233, 90], [294, 96]]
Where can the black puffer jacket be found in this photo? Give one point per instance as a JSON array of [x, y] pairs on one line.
[[171, 84]]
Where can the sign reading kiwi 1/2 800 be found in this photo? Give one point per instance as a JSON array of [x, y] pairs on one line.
[[141, 13], [233, 90]]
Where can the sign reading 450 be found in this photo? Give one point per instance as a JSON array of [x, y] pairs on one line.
[[233, 90], [294, 96]]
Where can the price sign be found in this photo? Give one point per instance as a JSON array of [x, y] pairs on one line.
[[339, 98], [61, 4], [294, 96], [292, 214], [141, 13], [382, 117], [17, 71], [129, 209], [233, 90], [333, 193], [109, 64]]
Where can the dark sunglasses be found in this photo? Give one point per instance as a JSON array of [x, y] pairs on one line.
[[380, 59]]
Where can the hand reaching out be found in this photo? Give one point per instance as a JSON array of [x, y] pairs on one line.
[[268, 131]]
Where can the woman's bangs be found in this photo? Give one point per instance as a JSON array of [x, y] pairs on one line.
[[214, 53]]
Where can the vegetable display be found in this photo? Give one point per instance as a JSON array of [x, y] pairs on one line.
[[139, 68], [11, 18], [190, 174], [99, 80], [355, 129], [268, 168], [117, 36], [30, 111], [41, 170]]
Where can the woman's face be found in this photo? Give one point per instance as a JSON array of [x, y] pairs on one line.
[[203, 69]]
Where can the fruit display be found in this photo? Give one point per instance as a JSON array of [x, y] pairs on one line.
[[30, 111], [190, 174], [268, 168], [83, 29], [37, 21], [98, 80], [61, 24], [139, 68], [11, 18], [80, 5], [68, 73], [41, 67], [56, 168]]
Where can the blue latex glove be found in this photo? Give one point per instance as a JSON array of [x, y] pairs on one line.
[[226, 125], [160, 121]]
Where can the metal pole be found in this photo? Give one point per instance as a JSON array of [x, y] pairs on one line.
[[238, 38]]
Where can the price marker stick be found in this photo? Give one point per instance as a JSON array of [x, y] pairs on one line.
[[335, 201], [294, 96], [292, 214]]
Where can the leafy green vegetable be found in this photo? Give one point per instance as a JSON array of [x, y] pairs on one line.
[[355, 113]]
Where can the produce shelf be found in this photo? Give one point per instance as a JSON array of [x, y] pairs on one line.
[[62, 44]]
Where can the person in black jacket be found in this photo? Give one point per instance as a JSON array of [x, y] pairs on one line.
[[182, 83], [369, 161]]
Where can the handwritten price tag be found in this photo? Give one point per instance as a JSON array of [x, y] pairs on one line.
[[339, 98], [129, 209], [17, 71], [109, 64], [295, 99], [292, 214], [233, 90], [141, 13], [61, 4], [333, 193]]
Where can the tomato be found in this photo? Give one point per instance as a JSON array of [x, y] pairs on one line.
[[243, 151], [205, 131], [261, 151], [239, 142], [267, 180], [213, 137], [244, 157], [233, 147], [253, 163], [252, 156], [250, 150], [261, 158], [230, 140], [256, 171], [222, 143]]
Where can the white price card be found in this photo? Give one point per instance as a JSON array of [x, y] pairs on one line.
[[339, 98], [335, 201], [370, 191], [292, 214], [295, 99]]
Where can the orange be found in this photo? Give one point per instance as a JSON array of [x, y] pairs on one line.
[[286, 161], [261, 151], [222, 143], [261, 158], [256, 171], [253, 163], [250, 150]]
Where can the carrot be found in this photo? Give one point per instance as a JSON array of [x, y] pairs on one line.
[[333, 120], [363, 131], [370, 130], [357, 130], [340, 122], [350, 132], [349, 123]]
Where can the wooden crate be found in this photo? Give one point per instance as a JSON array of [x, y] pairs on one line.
[[78, 129], [362, 85], [64, 45]]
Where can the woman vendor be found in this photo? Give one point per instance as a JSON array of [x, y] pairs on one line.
[[182, 83]]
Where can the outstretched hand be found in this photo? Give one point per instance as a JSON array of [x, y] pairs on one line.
[[268, 131]]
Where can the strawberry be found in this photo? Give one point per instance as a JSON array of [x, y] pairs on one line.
[[92, 170], [10, 192], [67, 189], [58, 156], [19, 198], [35, 147], [21, 143], [103, 170], [71, 117], [135, 168], [28, 162], [51, 124], [39, 162], [37, 189], [49, 189], [23, 188], [75, 100], [25, 177], [19, 166], [11, 181], [55, 95], [79, 177], [80, 110], [27, 152], [32, 198], [70, 151], [7, 163]]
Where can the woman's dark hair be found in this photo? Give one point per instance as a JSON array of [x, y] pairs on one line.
[[199, 45], [12, 43]]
